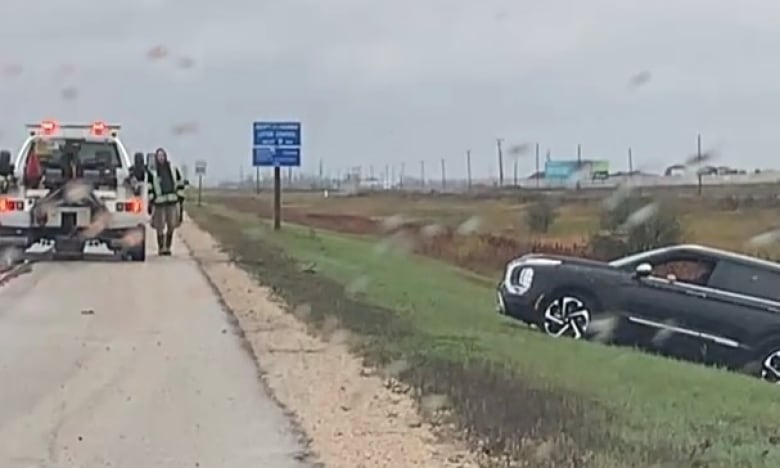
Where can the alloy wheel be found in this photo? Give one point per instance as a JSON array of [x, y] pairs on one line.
[[567, 316], [770, 367]]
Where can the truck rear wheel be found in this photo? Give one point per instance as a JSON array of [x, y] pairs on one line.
[[137, 253]]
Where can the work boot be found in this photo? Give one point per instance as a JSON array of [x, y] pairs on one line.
[[161, 244], [168, 242]]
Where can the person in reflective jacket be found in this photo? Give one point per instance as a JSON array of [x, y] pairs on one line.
[[166, 196]]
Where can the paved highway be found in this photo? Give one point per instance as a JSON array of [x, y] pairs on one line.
[[129, 365]]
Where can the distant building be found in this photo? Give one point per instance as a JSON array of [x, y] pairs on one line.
[[587, 169], [676, 170]]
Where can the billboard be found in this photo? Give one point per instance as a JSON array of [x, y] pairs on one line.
[[560, 169], [566, 169]]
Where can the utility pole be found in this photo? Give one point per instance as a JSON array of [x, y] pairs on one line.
[[514, 172], [579, 155], [630, 163], [401, 176], [698, 160], [277, 198], [468, 167], [500, 162], [387, 173], [422, 173], [538, 176], [698, 147], [443, 174], [321, 170]]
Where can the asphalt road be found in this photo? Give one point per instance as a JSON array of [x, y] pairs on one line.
[[129, 365]]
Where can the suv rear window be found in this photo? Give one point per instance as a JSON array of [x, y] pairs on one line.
[[88, 152], [744, 279]]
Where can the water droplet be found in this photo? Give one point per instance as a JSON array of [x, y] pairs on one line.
[[469, 226], [158, 52]]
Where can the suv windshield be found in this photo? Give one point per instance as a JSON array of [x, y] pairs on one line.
[[89, 154]]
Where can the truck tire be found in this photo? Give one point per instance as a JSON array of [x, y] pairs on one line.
[[138, 253]]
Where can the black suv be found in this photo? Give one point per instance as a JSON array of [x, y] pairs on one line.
[[688, 301]]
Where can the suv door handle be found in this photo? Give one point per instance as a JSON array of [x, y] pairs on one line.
[[695, 293]]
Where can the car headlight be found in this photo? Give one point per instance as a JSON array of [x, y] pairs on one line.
[[520, 284], [524, 281], [526, 277]]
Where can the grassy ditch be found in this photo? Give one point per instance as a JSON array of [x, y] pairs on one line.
[[514, 392]]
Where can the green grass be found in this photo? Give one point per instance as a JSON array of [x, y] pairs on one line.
[[657, 410]]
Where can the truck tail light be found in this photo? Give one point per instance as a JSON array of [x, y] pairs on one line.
[[9, 204], [134, 205]]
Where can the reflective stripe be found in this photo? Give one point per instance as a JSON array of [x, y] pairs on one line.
[[155, 195]]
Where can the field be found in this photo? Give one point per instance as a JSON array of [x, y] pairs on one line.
[[482, 233], [376, 267]]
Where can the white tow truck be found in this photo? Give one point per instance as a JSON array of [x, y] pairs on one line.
[[72, 185]]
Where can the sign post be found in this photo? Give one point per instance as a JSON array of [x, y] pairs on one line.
[[277, 145], [200, 171]]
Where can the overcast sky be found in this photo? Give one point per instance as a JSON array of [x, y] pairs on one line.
[[399, 81]]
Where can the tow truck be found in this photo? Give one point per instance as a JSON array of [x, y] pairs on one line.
[[73, 185]]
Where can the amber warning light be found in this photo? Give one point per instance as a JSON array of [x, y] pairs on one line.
[[48, 127]]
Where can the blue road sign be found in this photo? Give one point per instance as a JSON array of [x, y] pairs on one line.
[[276, 144], [277, 133], [283, 157]]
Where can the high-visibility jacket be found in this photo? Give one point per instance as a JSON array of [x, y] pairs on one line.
[[156, 196]]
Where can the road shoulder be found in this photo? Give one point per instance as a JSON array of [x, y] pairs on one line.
[[351, 416]]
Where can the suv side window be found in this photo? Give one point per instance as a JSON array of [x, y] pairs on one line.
[[744, 279], [688, 270]]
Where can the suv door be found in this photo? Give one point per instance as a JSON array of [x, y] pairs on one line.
[[656, 316], [745, 308], [657, 307]]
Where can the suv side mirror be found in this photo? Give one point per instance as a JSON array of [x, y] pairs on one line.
[[643, 270], [186, 182], [139, 166], [6, 167]]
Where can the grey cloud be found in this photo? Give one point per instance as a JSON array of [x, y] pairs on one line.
[[379, 82]]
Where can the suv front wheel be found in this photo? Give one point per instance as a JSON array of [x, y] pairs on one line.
[[568, 314]]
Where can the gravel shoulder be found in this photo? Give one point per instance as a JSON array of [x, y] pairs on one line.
[[352, 416]]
